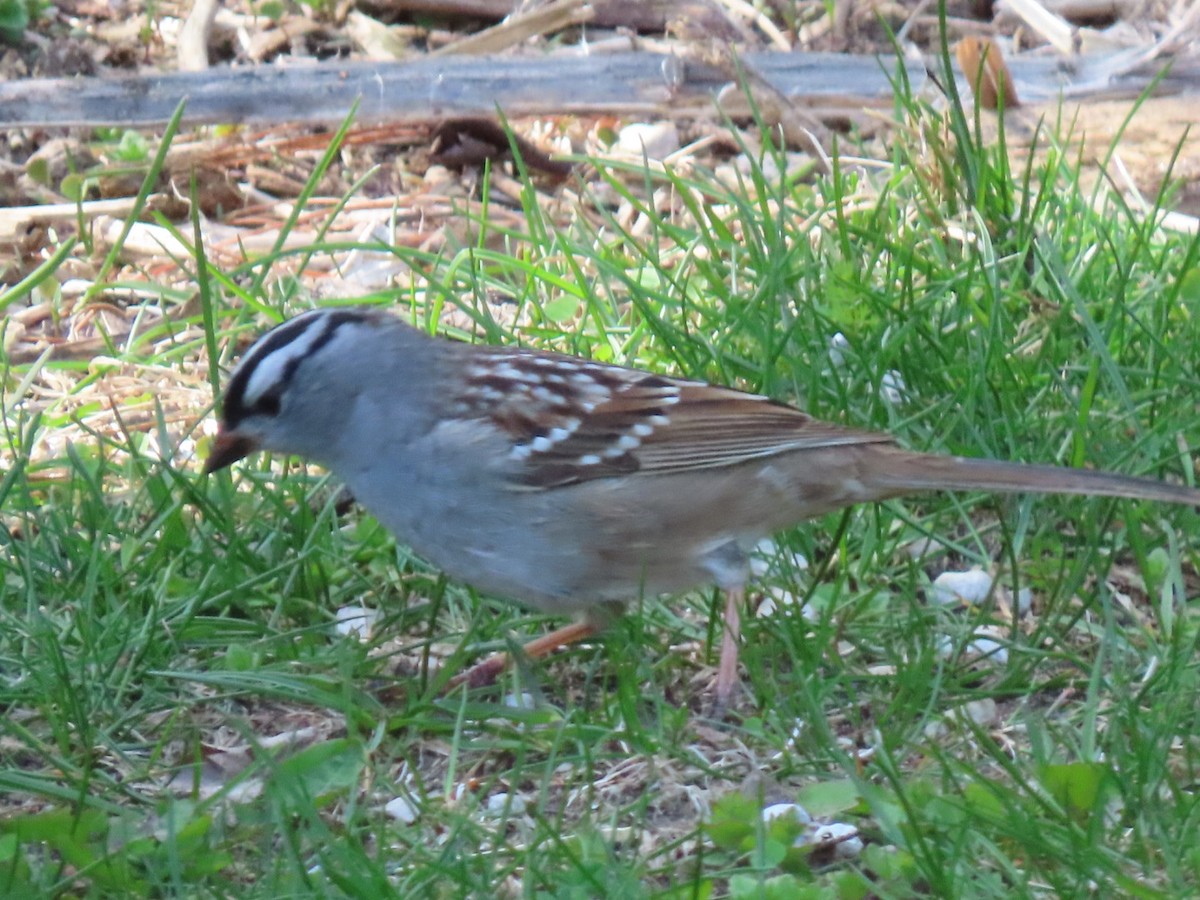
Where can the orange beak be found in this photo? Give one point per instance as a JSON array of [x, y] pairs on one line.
[[227, 449]]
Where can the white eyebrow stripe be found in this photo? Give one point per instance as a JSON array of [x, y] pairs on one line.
[[266, 373]]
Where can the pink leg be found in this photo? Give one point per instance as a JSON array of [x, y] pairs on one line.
[[727, 670], [489, 670]]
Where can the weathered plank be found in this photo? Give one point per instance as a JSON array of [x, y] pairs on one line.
[[626, 83]]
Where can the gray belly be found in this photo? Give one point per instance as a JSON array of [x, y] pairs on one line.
[[570, 548], [532, 552]]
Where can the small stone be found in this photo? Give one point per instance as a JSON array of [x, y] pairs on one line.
[[356, 621], [981, 646], [775, 810], [402, 810], [794, 165], [1024, 601], [954, 588], [436, 175], [657, 140], [988, 648], [775, 603], [524, 701], [841, 837], [981, 712], [919, 548], [497, 802], [839, 346], [767, 557], [892, 387]]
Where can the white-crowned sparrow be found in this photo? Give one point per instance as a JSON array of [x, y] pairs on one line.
[[571, 485]]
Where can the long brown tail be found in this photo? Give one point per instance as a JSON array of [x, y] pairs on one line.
[[903, 471]]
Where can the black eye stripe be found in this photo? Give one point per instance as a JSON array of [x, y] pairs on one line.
[[235, 409]]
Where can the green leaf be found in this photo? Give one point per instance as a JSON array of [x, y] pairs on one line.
[[702, 890], [38, 170], [889, 863], [1076, 786], [1189, 287], [323, 769], [241, 658], [827, 798], [132, 148], [57, 827], [14, 868], [1158, 564], [734, 821], [983, 803], [14, 19], [851, 885], [771, 853], [271, 9], [562, 308]]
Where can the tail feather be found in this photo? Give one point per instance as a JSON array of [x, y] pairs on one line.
[[904, 472]]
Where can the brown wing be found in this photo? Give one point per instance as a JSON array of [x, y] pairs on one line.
[[715, 426], [572, 420]]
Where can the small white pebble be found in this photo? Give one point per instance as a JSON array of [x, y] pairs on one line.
[[919, 548], [497, 802], [953, 588], [838, 347], [356, 621], [978, 712], [981, 712], [775, 810], [774, 604], [657, 140], [436, 176], [402, 810], [865, 754], [980, 646], [990, 648], [98, 365], [844, 839], [849, 848], [525, 701], [727, 174], [892, 387], [1024, 601], [767, 557], [793, 164]]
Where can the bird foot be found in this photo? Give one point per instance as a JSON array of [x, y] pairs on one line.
[[494, 666]]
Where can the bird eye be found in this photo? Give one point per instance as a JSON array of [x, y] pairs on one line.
[[268, 404]]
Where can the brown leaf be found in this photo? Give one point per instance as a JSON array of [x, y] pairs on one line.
[[990, 80]]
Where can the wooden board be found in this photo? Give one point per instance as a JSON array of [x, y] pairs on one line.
[[625, 83]]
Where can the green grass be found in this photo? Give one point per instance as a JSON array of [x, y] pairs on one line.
[[159, 629]]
